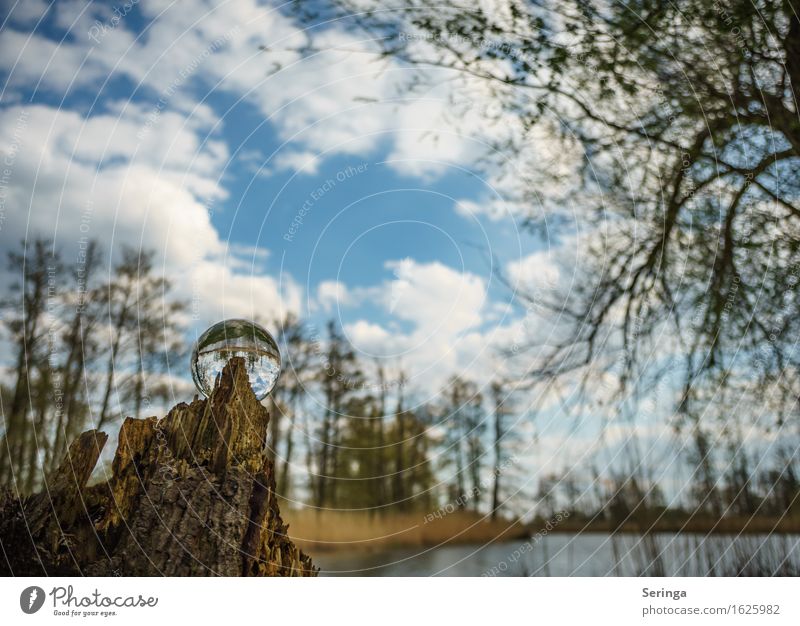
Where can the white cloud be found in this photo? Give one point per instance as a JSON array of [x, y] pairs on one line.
[[332, 294], [444, 308], [304, 162], [494, 210], [73, 177], [342, 99], [426, 142], [28, 13], [374, 338], [538, 271], [218, 293], [69, 170], [435, 297], [248, 253]]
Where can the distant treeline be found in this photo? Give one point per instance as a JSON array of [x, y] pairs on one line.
[[86, 346], [89, 345], [367, 446]]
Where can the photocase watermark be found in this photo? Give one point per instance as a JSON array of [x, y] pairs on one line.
[[735, 32], [53, 332], [31, 599], [528, 546], [774, 325], [166, 466], [99, 29], [315, 196], [80, 260], [481, 45], [9, 160], [476, 491], [66, 603], [186, 71]]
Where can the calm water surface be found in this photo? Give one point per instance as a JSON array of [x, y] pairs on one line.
[[587, 554]]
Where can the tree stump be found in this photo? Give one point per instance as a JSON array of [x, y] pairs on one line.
[[192, 494]]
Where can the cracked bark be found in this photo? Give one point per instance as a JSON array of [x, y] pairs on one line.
[[191, 494]]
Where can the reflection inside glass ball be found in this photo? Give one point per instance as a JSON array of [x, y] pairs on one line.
[[236, 338]]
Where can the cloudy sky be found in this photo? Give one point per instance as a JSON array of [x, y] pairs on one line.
[[266, 180], [269, 180]]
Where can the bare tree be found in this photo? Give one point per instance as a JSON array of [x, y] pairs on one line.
[[80, 347], [500, 434], [142, 329], [340, 376], [33, 267], [464, 420], [287, 398]]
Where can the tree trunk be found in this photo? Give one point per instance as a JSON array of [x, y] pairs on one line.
[[498, 449], [191, 494], [284, 484]]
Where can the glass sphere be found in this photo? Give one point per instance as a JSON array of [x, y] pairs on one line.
[[232, 338]]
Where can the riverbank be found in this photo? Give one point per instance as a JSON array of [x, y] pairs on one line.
[[316, 531], [732, 525]]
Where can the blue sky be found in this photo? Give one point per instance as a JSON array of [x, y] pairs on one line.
[[266, 181]]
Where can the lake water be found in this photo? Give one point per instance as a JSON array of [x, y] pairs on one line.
[[586, 554]]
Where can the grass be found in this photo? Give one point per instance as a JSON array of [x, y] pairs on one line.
[[316, 530]]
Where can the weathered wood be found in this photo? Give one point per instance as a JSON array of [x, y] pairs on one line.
[[62, 503], [190, 494], [44, 531]]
